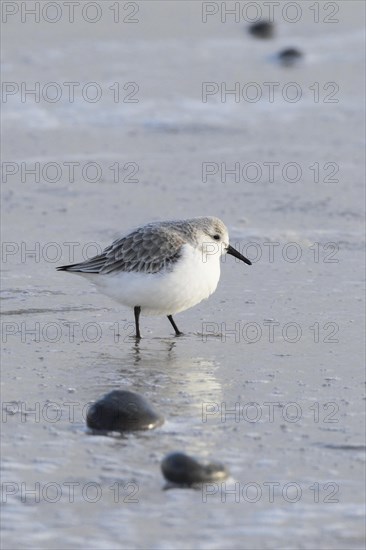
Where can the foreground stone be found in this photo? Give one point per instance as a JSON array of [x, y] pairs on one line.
[[122, 411], [182, 469]]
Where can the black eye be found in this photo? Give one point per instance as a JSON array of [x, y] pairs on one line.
[[216, 237]]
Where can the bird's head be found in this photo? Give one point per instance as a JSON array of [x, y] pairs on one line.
[[213, 239]]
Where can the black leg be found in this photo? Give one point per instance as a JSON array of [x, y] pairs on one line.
[[137, 311], [177, 331]]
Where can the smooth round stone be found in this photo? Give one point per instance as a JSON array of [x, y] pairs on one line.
[[121, 411], [262, 29], [184, 470], [289, 56]]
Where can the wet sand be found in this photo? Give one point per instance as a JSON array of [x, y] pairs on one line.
[[268, 378]]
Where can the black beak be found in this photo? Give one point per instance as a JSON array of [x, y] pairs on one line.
[[233, 252]]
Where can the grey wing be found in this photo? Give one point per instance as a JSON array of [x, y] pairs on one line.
[[147, 250]]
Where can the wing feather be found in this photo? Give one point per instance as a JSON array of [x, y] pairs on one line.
[[149, 249]]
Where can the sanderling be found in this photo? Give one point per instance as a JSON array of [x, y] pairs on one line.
[[161, 268]]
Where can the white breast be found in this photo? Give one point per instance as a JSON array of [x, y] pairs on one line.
[[192, 279]]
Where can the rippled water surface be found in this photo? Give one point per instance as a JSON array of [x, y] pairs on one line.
[[268, 378]]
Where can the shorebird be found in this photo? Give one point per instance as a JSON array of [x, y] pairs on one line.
[[161, 268]]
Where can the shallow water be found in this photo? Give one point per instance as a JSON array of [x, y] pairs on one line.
[[268, 377]]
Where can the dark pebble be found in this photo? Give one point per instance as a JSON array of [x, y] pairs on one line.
[[121, 411], [289, 56], [262, 29], [182, 469]]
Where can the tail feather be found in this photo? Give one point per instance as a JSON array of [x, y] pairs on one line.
[[94, 265], [71, 267]]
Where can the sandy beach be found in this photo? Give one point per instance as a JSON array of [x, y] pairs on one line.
[[120, 113]]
